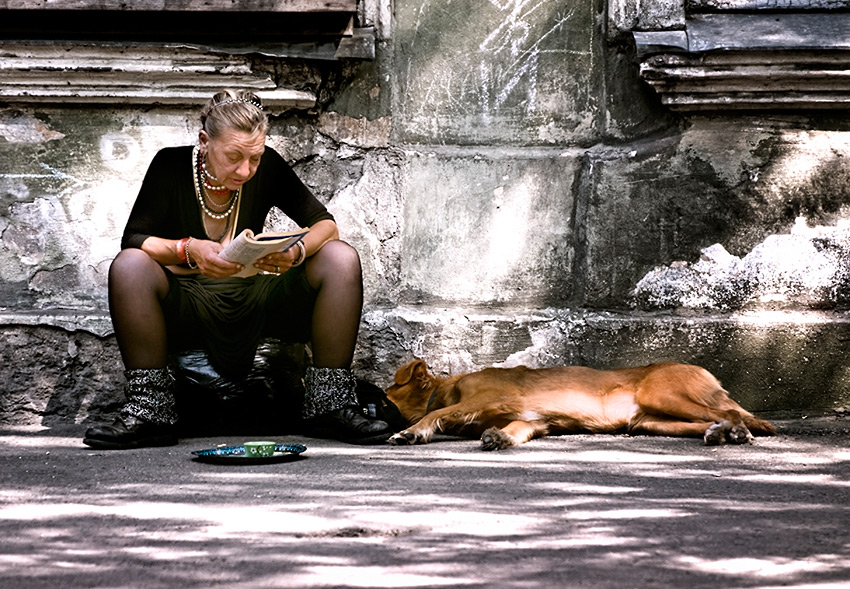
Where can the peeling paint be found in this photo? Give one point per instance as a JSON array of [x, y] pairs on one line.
[[19, 127], [359, 132], [806, 267]]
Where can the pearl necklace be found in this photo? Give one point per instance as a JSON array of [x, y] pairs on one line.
[[215, 189], [201, 197], [223, 233], [208, 178], [207, 172]]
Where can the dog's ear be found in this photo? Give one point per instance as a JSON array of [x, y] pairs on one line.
[[407, 372]]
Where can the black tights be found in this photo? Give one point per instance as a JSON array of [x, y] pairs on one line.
[[138, 285]]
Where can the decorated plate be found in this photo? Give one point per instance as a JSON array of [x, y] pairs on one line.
[[236, 455]]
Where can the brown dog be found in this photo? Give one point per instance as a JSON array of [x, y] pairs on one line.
[[509, 406]]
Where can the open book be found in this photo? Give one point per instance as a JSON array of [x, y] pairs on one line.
[[246, 248]]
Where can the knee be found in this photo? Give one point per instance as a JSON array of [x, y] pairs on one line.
[[131, 266], [339, 256], [128, 261], [336, 263]]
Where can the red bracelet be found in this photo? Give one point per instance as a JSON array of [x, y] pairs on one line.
[[181, 250]]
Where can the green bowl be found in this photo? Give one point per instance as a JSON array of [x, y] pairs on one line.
[[259, 449]]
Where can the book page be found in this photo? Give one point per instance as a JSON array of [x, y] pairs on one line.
[[247, 248]]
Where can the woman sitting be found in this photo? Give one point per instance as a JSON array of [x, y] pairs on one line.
[[170, 290]]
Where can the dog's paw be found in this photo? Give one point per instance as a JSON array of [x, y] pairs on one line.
[[715, 435], [495, 439], [404, 438], [739, 434]]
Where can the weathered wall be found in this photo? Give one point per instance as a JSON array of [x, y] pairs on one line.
[[516, 194]]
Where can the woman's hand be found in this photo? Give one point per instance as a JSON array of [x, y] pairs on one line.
[[278, 262], [204, 253]]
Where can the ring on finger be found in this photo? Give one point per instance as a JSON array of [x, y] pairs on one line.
[[277, 269]]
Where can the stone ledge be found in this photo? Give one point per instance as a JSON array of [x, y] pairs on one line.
[[94, 322], [778, 363], [144, 74], [697, 5]]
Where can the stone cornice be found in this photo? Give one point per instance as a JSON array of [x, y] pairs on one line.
[[765, 59], [170, 52], [138, 74], [185, 5]]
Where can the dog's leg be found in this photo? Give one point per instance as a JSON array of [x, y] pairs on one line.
[[711, 406], [441, 420], [513, 434], [662, 426], [410, 436], [680, 406], [699, 398], [726, 431], [713, 433]]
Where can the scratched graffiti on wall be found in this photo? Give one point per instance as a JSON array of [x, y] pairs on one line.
[[498, 70], [515, 49]]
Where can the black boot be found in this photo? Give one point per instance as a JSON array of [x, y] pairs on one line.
[[148, 418], [331, 409]]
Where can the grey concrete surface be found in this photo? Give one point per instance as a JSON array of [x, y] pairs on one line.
[[573, 511]]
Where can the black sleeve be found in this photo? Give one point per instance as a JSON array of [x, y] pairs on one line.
[[155, 211], [289, 194]]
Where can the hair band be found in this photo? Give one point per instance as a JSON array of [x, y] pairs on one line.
[[251, 101]]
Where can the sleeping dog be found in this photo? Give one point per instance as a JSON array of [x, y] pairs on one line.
[[506, 407]]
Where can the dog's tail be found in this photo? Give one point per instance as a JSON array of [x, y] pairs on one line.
[[758, 426]]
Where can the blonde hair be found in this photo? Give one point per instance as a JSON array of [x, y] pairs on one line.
[[238, 110]]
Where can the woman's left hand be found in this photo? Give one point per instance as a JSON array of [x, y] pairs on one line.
[[278, 262]]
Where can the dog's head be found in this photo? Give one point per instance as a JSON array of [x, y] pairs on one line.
[[412, 389]]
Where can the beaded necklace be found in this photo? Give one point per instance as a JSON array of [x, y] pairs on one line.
[[202, 200], [223, 233], [209, 178]]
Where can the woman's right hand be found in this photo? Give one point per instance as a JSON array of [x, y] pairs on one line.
[[204, 253]]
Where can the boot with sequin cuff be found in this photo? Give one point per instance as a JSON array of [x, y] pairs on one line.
[[149, 417], [331, 409]]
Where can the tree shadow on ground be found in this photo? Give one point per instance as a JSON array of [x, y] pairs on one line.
[[572, 511]]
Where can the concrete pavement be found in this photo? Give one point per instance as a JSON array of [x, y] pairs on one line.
[[573, 511]]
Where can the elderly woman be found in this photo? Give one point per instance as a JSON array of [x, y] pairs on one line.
[[169, 288]]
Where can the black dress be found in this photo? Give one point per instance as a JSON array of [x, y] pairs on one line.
[[227, 317]]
